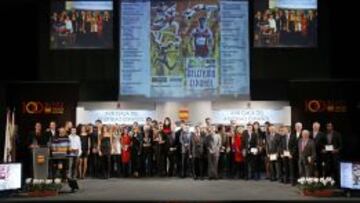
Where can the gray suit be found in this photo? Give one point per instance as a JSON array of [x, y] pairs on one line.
[[273, 146], [309, 150], [197, 153], [185, 146], [213, 146]]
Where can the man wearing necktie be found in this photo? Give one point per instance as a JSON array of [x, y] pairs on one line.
[[272, 150], [331, 152], [318, 138], [251, 141], [289, 151], [307, 154]]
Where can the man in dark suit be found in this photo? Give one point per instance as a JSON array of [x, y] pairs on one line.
[[51, 134], [251, 141], [331, 152], [288, 152], [307, 154], [297, 134], [318, 138], [177, 144], [272, 152]]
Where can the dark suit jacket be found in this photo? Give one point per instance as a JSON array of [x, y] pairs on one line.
[[335, 140], [319, 140], [177, 141], [50, 136], [292, 145], [309, 150], [273, 146], [250, 142], [197, 146]]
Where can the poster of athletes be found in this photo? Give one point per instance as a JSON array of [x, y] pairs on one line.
[[184, 48]]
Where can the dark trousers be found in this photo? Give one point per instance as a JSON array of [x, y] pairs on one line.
[[116, 165], [60, 172], [197, 167], [213, 161], [126, 169], [106, 165], [274, 170], [205, 165], [288, 170], [239, 169], [252, 167], [178, 163], [223, 165], [135, 162], [184, 164], [331, 167], [172, 164], [146, 164], [94, 165], [161, 163], [318, 168]]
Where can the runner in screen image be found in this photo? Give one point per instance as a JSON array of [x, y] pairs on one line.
[[202, 39]]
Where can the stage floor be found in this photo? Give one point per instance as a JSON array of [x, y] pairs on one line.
[[174, 189]]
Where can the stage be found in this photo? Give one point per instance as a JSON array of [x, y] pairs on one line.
[[175, 189]]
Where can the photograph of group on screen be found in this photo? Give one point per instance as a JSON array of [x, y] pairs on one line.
[[81, 24], [285, 23], [356, 175]]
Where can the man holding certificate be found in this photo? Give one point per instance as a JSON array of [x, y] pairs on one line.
[[331, 151], [289, 151], [307, 154], [252, 152], [272, 151]]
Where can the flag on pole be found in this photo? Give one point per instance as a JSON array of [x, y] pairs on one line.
[[7, 145], [9, 137]]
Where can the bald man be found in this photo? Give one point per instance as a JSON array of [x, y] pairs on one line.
[[307, 154]]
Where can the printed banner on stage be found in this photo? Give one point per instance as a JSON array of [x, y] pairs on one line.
[[114, 116], [244, 116]]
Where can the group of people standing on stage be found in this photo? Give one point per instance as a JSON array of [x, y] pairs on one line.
[[200, 151], [81, 28], [287, 27]]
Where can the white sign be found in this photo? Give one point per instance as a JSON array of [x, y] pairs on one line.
[[297, 4], [244, 116], [115, 116]]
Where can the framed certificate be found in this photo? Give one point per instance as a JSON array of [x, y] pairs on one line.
[[273, 157], [254, 150], [287, 153], [309, 159], [329, 148]]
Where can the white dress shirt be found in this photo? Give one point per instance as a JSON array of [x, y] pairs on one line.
[[75, 144]]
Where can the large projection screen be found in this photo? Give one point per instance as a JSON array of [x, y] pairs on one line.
[[184, 49]]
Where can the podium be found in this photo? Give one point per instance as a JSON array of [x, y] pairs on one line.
[[41, 162]]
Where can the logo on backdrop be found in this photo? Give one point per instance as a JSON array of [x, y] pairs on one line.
[[330, 106], [39, 107]]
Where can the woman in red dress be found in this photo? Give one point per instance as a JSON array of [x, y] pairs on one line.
[[126, 151], [237, 148]]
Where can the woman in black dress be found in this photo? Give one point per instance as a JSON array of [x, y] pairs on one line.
[[105, 150], [85, 148]]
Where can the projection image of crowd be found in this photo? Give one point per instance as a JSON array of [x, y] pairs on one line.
[[74, 25]]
